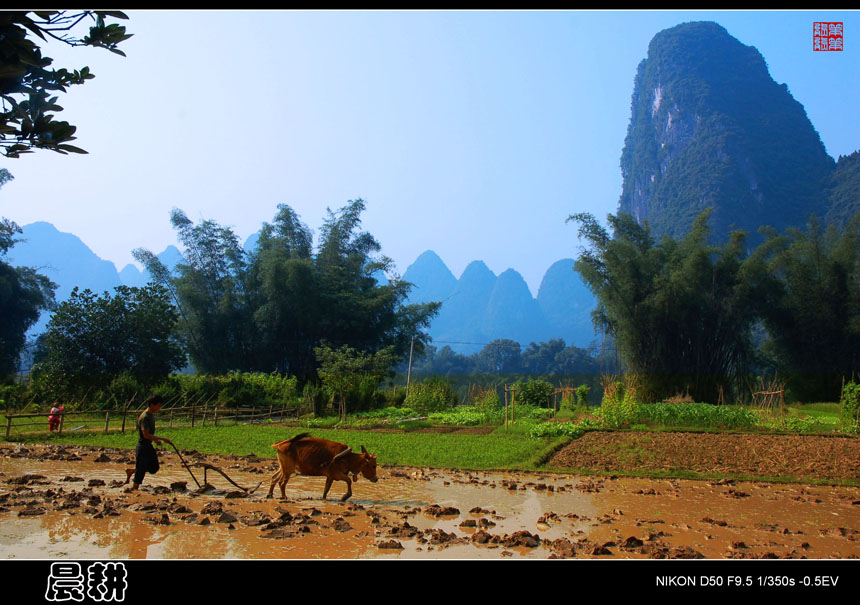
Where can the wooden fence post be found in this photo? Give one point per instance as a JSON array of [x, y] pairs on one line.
[[107, 420], [8, 426], [62, 420], [506, 407], [192, 414]]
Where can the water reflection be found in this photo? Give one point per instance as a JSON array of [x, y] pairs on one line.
[[713, 519]]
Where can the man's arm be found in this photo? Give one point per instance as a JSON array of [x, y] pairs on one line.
[[149, 436]]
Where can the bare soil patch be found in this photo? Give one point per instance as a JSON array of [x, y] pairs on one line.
[[69, 502], [799, 457]]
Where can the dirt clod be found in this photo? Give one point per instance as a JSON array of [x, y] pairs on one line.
[[434, 510]]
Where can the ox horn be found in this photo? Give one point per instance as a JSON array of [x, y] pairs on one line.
[[363, 451]]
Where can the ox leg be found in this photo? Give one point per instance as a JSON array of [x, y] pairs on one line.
[[338, 476], [348, 493], [283, 485], [275, 478], [281, 476]]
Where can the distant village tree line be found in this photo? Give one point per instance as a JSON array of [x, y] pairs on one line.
[[275, 309], [689, 316]]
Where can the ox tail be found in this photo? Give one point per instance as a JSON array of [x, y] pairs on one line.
[[282, 445]]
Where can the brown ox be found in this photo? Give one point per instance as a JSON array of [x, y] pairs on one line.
[[320, 457]]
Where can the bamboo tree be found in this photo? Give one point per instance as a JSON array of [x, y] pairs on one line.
[[681, 312]]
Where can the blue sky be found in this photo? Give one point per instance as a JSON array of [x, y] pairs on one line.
[[474, 134]]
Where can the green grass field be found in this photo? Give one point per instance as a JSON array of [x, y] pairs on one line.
[[497, 450], [526, 445]]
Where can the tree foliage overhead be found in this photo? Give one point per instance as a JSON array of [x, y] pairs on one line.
[[267, 310], [28, 83], [680, 312]]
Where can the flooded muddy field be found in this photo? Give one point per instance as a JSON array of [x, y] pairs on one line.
[[70, 502]]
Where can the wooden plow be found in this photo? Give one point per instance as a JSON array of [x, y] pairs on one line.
[[209, 467]]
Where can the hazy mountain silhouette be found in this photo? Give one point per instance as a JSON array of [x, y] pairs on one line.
[[512, 312], [431, 279], [567, 303], [481, 307], [132, 276], [68, 262], [64, 259], [461, 317]]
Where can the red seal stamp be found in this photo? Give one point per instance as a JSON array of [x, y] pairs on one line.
[[826, 35]]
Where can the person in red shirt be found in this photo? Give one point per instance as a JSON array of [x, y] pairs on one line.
[[54, 417]]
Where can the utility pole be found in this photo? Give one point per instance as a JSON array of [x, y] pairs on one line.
[[409, 372]]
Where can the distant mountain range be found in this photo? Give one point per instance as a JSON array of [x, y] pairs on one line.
[[480, 307], [477, 308], [68, 262]]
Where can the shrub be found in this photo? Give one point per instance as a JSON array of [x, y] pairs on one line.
[[236, 389], [432, 395], [803, 425], [13, 396], [849, 413], [620, 406], [534, 392], [568, 402], [168, 389], [556, 429], [366, 396], [389, 413], [395, 397], [697, 415], [195, 388], [352, 377], [487, 401], [460, 416], [582, 395], [562, 429], [124, 389], [315, 399], [534, 412], [48, 388]]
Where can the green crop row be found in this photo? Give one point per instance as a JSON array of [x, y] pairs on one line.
[[493, 451]]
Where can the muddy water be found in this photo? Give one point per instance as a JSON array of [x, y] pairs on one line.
[[410, 513]]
